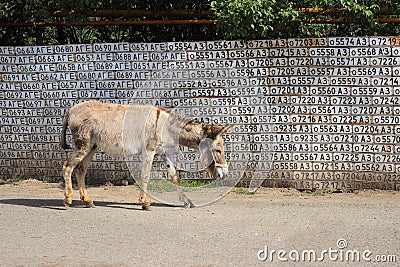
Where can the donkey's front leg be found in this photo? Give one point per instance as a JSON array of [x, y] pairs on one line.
[[176, 181], [145, 176]]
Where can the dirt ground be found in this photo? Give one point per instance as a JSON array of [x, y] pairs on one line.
[[272, 227]]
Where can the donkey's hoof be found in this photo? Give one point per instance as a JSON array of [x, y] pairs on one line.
[[188, 204], [67, 202], [90, 205], [146, 206]]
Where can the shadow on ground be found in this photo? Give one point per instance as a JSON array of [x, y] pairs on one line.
[[57, 204]]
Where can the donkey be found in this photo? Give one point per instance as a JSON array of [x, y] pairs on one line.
[[126, 130]]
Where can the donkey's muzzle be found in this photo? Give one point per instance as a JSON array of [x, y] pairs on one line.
[[222, 170]]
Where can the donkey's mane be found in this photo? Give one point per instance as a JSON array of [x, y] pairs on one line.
[[189, 130], [180, 120]]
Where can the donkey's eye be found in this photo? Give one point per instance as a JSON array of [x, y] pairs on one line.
[[218, 151]]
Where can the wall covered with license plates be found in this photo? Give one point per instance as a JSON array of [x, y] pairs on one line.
[[318, 113]]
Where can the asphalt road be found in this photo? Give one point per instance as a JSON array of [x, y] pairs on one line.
[[273, 227]]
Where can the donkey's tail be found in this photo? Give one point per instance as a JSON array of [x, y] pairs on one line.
[[63, 141]]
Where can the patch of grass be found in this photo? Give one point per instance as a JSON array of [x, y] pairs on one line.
[[319, 193], [161, 185], [18, 178], [192, 183], [46, 179], [243, 191], [166, 185], [200, 183]]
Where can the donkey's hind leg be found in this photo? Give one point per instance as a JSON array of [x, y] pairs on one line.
[[80, 173], [145, 176], [68, 167], [67, 172]]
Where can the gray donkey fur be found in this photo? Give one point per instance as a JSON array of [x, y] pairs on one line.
[[126, 130]]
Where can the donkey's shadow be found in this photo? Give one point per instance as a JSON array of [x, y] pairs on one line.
[[57, 204]]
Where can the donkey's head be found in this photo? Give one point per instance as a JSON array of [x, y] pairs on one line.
[[211, 148]]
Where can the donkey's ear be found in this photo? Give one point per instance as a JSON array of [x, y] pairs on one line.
[[225, 129], [209, 129], [212, 130]]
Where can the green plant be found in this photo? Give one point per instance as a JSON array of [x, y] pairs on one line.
[[243, 191], [248, 19], [318, 193], [200, 184], [68, 15], [161, 185], [252, 19]]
